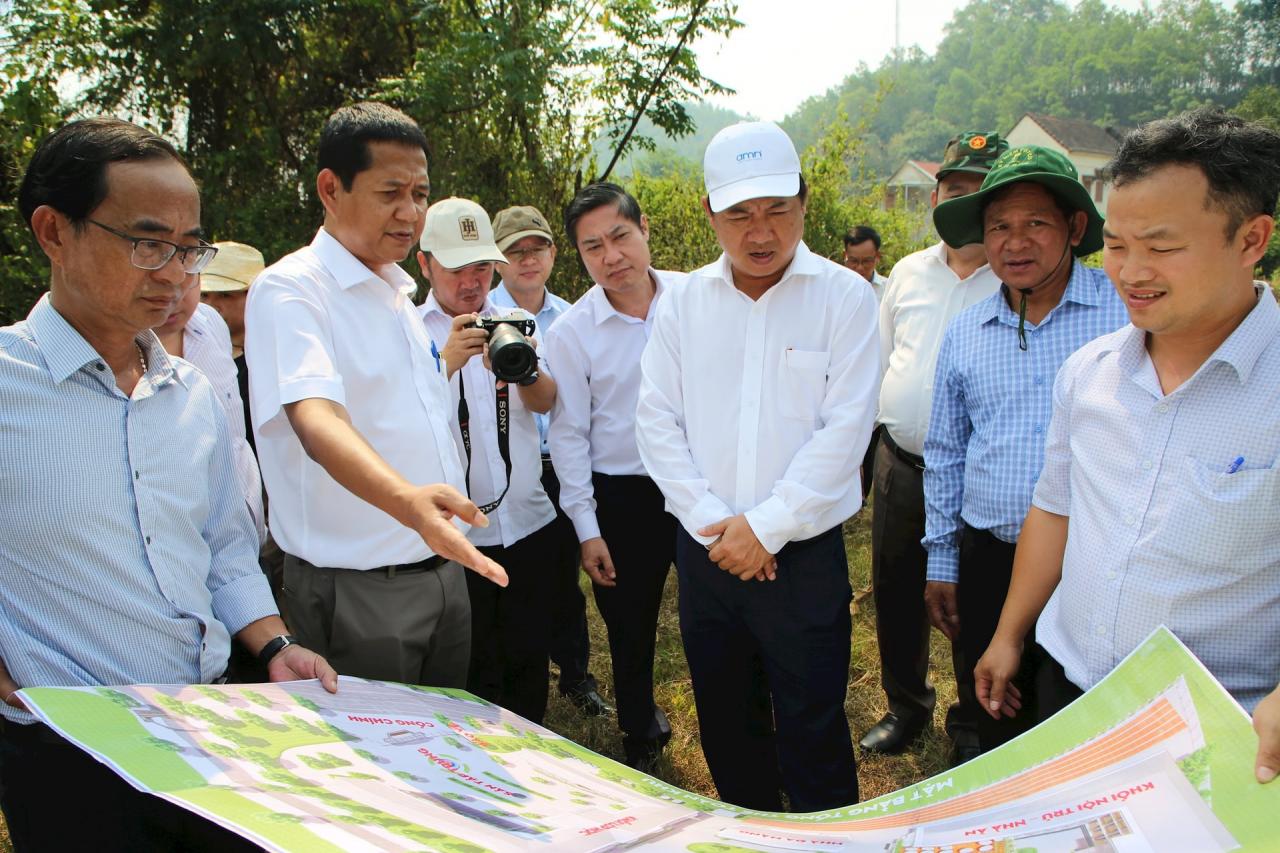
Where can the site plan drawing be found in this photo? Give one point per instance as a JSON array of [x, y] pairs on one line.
[[1157, 757]]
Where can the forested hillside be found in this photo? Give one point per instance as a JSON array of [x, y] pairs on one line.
[[1002, 58]]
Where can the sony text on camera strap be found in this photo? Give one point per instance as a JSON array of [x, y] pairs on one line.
[[504, 436]]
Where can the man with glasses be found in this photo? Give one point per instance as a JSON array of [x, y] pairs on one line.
[[127, 553], [862, 255], [524, 237]]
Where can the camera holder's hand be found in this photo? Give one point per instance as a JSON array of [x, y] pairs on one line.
[[466, 340]]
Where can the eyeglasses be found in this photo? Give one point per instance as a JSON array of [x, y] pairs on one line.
[[152, 254], [519, 256]]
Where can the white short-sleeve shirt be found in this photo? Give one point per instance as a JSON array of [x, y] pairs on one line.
[[1174, 506], [320, 324]]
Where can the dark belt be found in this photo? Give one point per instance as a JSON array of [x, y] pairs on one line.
[[911, 459], [430, 564]]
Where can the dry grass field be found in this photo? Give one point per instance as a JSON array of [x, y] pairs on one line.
[[683, 764]]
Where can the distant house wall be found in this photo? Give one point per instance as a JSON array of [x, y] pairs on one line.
[[1088, 163]]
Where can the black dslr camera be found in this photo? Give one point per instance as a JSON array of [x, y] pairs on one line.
[[511, 356]]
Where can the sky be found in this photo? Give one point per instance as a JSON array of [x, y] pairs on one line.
[[789, 50]]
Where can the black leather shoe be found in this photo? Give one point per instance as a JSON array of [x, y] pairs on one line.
[[642, 753], [964, 748], [890, 736], [589, 701]]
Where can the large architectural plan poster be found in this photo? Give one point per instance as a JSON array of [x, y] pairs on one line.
[[1157, 757]]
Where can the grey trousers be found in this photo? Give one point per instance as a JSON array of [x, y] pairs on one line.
[[414, 628]]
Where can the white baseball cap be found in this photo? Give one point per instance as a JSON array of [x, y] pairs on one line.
[[458, 233], [751, 159]]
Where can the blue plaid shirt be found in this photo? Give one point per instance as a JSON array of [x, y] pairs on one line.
[[552, 307], [991, 408]]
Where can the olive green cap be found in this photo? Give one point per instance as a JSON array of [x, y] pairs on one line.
[[972, 151]]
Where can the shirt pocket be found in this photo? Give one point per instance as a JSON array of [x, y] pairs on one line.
[[1230, 521], [802, 383]]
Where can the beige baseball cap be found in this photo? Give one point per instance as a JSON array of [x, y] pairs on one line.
[[234, 268], [516, 223], [458, 233]]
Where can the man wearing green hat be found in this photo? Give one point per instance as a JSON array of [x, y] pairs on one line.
[[925, 291], [993, 388]]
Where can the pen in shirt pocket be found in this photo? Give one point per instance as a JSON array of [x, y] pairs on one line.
[[435, 353], [1235, 465]]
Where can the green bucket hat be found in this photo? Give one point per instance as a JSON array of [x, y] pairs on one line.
[[959, 221], [972, 151]]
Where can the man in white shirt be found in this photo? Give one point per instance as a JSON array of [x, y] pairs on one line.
[[351, 412], [522, 234], [627, 538], [925, 291], [495, 432], [1157, 501], [197, 332], [862, 255], [757, 400]]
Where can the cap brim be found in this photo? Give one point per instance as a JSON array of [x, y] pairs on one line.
[[505, 242], [959, 221], [214, 283], [784, 185], [976, 170], [452, 259]]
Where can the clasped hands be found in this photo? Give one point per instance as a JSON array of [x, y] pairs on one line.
[[738, 551]]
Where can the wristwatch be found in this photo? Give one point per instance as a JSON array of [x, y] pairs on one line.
[[530, 379], [274, 646]]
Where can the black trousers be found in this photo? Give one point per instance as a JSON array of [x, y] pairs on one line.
[[570, 645], [511, 626], [786, 643], [56, 797], [1053, 690], [869, 462], [641, 539], [986, 567], [899, 565]]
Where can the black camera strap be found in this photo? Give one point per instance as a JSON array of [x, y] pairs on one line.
[[503, 393]]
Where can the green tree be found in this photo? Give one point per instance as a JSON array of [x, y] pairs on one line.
[[510, 92]]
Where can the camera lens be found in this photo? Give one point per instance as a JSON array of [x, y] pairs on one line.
[[512, 358]]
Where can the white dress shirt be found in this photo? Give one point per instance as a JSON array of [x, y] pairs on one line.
[[878, 283], [593, 352], [761, 407], [1173, 504], [921, 299], [206, 343], [526, 507], [320, 324]]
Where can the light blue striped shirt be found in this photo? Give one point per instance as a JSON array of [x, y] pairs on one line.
[[1174, 501], [127, 554], [552, 307], [991, 408]]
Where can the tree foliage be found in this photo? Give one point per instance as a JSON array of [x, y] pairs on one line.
[[511, 93]]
